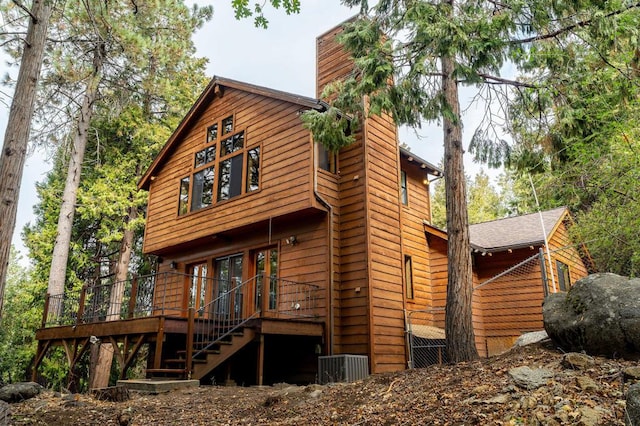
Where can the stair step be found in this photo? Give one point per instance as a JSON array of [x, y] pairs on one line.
[[208, 351], [182, 361]]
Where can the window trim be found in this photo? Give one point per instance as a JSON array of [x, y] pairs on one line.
[[404, 188], [564, 275], [409, 289], [185, 206]]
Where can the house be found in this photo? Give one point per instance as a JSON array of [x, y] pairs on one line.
[[517, 261], [273, 251]]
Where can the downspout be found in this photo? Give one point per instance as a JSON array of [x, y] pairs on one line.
[[330, 230]]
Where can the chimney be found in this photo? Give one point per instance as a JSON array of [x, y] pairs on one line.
[[333, 63]]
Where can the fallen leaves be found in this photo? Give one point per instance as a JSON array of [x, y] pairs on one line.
[[473, 393]]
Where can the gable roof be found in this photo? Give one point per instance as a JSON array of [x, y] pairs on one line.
[[510, 232], [216, 88], [515, 232]]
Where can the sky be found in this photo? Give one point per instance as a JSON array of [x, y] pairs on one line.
[[281, 57]]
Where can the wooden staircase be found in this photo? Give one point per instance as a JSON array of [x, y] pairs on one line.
[[205, 360]]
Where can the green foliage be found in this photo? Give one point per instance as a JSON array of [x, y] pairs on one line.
[[484, 202], [22, 316], [329, 128], [243, 10]]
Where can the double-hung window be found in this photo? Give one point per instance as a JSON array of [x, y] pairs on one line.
[[224, 168]]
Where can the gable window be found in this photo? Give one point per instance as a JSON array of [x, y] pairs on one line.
[[220, 171], [404, 196], [408, 277], [564, 279]]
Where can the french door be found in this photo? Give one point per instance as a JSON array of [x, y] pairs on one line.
[[228, 273], [198, 293], [266, 268]]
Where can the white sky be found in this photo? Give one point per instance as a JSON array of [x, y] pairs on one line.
[[281, 57]]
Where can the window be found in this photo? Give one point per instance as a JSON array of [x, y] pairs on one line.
[[408, 277], [327, 160], [266, 268], [220, 171], [404, 196], [198, 285], [564, 279]]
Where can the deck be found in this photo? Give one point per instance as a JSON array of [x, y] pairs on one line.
[[184, 342]]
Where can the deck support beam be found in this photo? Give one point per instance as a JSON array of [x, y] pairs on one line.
[[260, 369]]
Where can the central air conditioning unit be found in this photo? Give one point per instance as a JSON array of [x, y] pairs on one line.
[[342, 368]]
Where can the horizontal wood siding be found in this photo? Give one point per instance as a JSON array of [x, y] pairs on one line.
[[564, 250], [386, 260], [304, 263], [328, 189], [285, 181], [509, 305], [352, 327], [354, 291], [414, 239]]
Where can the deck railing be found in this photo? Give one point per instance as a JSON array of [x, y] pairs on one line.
[[246, 300], [164, 294]]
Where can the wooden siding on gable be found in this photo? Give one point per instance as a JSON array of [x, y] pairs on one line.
[[285, 181]]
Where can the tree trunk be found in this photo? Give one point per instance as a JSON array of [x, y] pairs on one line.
[[458, 320], [60, 254], [100, 376], [16, 137]]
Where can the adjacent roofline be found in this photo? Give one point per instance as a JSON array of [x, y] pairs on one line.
[[423, 164], [440, 233], [216, 88]]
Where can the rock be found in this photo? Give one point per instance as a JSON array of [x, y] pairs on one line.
[[480, 390], [17, 392], [498, 399], [316, 393], [530, 378], [577, 361], [599, 315], [632, 417], [4, 411], [531, 338], [586, 383], [631, 373], [589, 416]]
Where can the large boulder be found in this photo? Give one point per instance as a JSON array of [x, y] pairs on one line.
[[600, 315], [17, 392]]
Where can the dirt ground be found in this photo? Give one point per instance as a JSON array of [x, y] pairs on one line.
[[475, 393]]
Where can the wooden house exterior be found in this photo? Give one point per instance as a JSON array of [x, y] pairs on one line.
[[273, 251], [517, 261]]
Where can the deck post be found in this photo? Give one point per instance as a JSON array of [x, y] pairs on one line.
[[157, 359], [134, 296], [45, 312], [83, 295], [189, 354], [260, 377]]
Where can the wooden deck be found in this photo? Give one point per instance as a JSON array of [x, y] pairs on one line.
[[172, 351]]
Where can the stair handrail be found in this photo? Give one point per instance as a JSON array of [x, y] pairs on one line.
[[207, 327]]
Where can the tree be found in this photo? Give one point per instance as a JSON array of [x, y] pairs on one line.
[[23, 313], [428, 48], [483, 201], [16, 137], [135, 91]]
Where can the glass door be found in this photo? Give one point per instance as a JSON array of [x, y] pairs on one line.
[[197, 286], [228, 277], [266, 267]]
